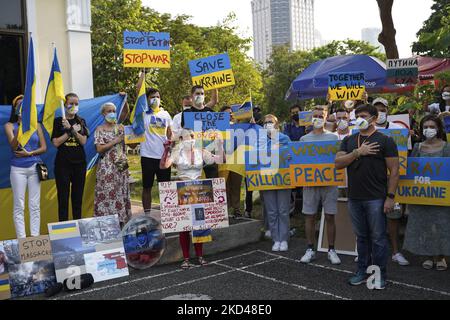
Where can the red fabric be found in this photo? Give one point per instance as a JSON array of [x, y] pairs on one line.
[[185, 242]]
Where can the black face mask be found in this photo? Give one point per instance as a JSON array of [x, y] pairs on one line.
[[295, 117]]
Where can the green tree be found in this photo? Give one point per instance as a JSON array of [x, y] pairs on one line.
[[434, 36]]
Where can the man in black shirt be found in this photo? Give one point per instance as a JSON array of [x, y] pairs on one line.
[[368, 155]]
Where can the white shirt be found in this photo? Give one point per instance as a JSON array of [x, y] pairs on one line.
[[176, 128], [342, 136], [156, 126]]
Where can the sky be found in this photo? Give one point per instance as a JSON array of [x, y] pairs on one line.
[[334, 19]]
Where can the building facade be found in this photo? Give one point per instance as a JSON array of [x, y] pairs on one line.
[[64, 24], [282, 22]]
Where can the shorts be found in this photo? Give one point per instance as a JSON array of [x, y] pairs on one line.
[[150, 168], [314, 196]]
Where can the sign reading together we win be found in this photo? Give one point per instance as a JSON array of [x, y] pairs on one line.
[[346, 86]]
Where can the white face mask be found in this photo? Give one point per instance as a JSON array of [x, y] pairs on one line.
[[343, 125], [382, 117], [269, 126], [155, 103], [429, 133], [361, 124], [199, 100], [446, 96], [318, 123]]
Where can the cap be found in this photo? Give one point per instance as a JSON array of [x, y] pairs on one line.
[[382, 101]]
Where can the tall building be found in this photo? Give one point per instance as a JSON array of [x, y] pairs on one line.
[[64, 24], [282, 22], [371, 36]]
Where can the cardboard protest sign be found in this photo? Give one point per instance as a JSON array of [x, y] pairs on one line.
[[402, 120], [92, 245], [243, 111], [26, 267], [305, 118], [193, 205], [402, 71], [207, 125], [427, 182], [312, 164], [131, 137], [346, 86], [268, 170], [146, 49], [212, 72]]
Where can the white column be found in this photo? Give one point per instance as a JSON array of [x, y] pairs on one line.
[[78, 13]]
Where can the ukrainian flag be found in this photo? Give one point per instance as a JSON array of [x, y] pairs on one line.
[[54, 96], [29, 122], [243, 111], [137, 116], [201, 236]]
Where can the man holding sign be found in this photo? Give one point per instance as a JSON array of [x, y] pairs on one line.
[[368, 155]]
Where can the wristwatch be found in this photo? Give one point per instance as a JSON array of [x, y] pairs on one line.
[[391, 196]]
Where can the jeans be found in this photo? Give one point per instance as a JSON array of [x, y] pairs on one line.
[[277, 204], [21, 178], [369, 225]]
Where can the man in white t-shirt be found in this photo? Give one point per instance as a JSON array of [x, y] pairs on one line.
[[158, 123]]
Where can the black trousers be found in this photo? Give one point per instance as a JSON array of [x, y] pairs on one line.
[[211, 171], [70, 179], [248, 198]]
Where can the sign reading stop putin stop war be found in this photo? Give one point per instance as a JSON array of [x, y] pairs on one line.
[[312, 164], [402, 71], [346, 86], [193, 205], [212, 72], [146, 49], [427, 182]]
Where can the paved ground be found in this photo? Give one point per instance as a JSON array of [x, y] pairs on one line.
[[255, 273]]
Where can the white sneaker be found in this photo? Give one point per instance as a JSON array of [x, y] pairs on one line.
[[356, 259], [284, 246], [400, 259], [309, 256], [333, 257], [268, 235], [276, 246]]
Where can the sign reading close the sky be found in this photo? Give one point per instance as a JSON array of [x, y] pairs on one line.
[[207, 125], [212, 72], [402, 71], [346, 86], [146, 49], [427, 182]]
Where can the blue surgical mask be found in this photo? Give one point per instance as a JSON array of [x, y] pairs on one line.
[[111, 117]]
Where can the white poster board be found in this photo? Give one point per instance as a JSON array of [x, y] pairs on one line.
[[402, 120]]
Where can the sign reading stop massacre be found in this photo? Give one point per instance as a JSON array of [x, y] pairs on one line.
[[146, 49]]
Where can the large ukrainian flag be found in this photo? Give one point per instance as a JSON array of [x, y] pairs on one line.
[[29, 122], [137, 115], [54, 96]]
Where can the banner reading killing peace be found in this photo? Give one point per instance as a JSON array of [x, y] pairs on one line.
[[312, 164], [427, 182]]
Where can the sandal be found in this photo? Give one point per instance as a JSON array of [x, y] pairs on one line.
[[202, 261], [428, 264], [441, 265], [186, 264]]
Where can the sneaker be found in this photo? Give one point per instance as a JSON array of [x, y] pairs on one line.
[[356, 259], [309, 256], [284, 246], [400, 259], [358, 278], [268, 235], [276, 246], [333, 257], [247, 215], [381, 285], [292, 232]]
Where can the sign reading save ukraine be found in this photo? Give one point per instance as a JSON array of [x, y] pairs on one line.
[[427, 182], [146, 49], [312, 164], [212, 72]]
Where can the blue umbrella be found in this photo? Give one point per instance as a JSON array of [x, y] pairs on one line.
[[313, 81]]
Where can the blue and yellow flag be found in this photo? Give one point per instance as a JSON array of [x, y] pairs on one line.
[[243, 111], [29, 122], [54, 96], [137, 116]]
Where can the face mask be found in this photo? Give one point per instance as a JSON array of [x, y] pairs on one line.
[[429, 133], [72, 109], [111, 117], [199, 100], [318, 123], [446, 96], [382, 117], [269, 126], [343, 125], [295, 117], [186, 107], [155, 103], [361, 123]]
